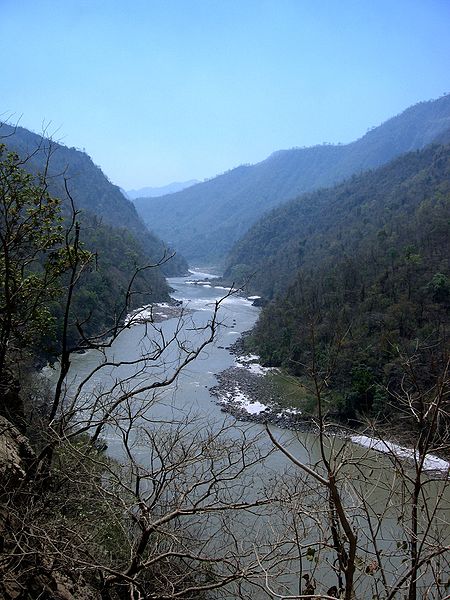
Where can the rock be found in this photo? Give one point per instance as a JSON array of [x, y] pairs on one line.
[[256, 389], [16, 456], [259, 302]]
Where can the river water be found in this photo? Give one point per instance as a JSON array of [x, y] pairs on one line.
[[188, 400], [190, 393]]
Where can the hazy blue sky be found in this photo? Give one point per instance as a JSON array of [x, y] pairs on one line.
[[166, 90]]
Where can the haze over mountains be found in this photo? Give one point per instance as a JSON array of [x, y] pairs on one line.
[[205, 220], [154, 192]]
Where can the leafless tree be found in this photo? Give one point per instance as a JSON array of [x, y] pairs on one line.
[[386, 525], [186, 508]]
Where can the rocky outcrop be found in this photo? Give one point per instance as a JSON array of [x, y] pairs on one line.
[[16, 456], [236, 383]]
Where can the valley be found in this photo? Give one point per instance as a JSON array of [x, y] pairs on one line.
[[204, 221], [277, 429]]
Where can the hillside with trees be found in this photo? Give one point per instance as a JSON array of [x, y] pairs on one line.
[[92, 192], [64, 275], [74, 523], [204, 221], [191, 508], [362, 267], [109, 230], [305, 231]]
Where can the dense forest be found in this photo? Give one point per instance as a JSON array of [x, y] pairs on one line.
[[61, 506], [305, 230], [67, 277], [362, 270], [205, 220]]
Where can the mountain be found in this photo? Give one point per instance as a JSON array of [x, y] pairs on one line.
[[110, 229], [205, 220], [155, 192], [367, 263], [90, 188], [302, 231]]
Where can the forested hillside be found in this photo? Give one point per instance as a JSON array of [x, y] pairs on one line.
[[304, 231], [109, 230], [91, 190], [368, 263], [204, 221]]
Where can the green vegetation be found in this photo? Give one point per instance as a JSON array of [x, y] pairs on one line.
[[102, 296], [205, 220], [74, 523], [44, 259], [293, 394], [31, 236], [362, 268], [109, 228]]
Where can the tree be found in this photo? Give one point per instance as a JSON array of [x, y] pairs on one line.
[[30, 234], [170, 516], [163, 521], [388, 528]]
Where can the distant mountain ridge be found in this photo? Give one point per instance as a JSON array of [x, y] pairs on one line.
[[154, 192], [204, 221]]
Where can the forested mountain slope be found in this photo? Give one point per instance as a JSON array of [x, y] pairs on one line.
[[90, 188], [110, 230], [205, 220], [305, 231], [370, 266]]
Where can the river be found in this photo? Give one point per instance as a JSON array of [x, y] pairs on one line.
[[190, 393], [189, 403]]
